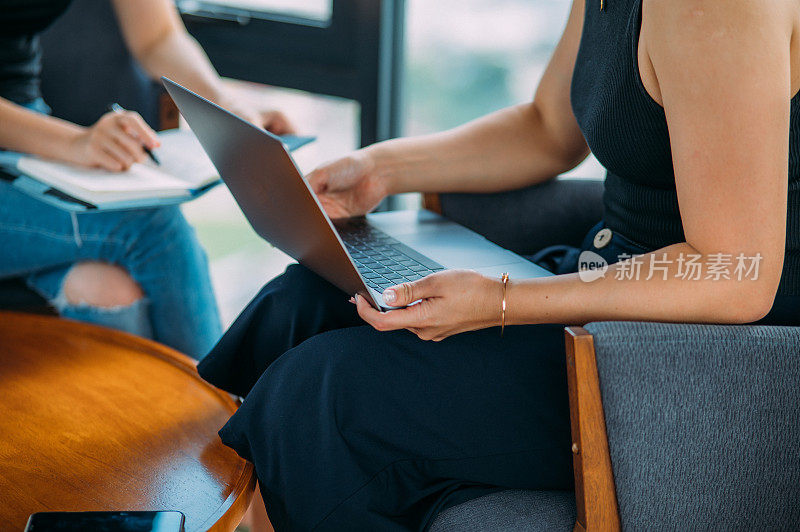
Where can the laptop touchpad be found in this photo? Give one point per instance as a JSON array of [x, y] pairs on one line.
[[454, 247]]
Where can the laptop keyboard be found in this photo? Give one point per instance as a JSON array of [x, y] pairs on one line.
[[382, 260]]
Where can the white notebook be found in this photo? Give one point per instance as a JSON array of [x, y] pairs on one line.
[[184, 168]]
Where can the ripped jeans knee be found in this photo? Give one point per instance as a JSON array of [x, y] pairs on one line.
[[133, 318], [96, 292]]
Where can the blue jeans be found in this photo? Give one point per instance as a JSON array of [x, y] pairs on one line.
[[156, 246]]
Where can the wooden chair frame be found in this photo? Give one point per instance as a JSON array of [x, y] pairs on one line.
[[595, 494]]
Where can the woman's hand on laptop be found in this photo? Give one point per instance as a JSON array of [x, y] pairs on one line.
[[349, 186], [450, 302]]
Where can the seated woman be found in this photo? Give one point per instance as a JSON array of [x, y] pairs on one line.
[[357, 421], [142, 271]]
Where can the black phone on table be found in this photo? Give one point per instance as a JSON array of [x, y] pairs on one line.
[[164, 521]]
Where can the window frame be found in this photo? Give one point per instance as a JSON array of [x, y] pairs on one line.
[[357, 54]]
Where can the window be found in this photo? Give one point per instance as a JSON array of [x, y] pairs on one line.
[[342, 48], [317, 10], [467, 58], [334, 60]]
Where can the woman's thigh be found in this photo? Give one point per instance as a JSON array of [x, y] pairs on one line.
[[155, 246], [288, 310], [39, 237], [34, 236], [355, 425]]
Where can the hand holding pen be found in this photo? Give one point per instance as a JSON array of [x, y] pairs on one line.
[[116, 141], [118, 109]]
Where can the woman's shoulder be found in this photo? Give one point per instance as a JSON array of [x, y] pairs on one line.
[[713, 18], [703, 36]]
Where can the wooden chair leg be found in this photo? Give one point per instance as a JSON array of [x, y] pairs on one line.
[[595, 495]]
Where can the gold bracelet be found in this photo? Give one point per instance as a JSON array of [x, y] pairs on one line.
[[504, 279]]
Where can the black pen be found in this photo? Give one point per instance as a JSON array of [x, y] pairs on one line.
[[117, 108]]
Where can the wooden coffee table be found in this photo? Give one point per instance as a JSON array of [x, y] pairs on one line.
[[94, 419]]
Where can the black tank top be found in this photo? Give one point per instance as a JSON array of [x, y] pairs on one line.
[[21, 21], [627, 131]]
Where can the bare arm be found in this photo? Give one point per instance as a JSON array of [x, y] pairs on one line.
[[509, 149], [114, 142], [157, 38], [724, 76], [155, 35], [512, 148], [31, 132]]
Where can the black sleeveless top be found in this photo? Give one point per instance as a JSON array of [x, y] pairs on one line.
[[20, 56], [627, 131]]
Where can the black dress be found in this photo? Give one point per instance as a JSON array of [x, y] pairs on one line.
[[354, 429]]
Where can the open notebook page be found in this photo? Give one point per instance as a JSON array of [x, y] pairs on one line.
[[140, 181], [182, 156]]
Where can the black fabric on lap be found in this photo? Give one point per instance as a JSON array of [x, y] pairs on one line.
[[354, 429]]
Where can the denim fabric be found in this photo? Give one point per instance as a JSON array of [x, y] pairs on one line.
[[156, 246], [133, 318]]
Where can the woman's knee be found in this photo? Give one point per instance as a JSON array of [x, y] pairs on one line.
[[99, 284], [333, 369], [305, 302]]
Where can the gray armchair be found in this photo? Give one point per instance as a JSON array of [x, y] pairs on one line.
[[675, 426]]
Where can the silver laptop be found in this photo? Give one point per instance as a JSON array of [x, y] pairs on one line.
[[359, 255]]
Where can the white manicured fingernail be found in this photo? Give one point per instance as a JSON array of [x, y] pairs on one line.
[[389, 295]]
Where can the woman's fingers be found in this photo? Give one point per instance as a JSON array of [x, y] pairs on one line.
[[412, 317], [333, 208], [105, 160], [385, 321], [120, 154], [115, 141], [132, 145], [134, 125], [318, 179], [409, 318], [368, 313], [407, 293]]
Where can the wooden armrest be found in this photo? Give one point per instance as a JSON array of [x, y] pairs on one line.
[[432, 202], [595, 495], [168, 115]]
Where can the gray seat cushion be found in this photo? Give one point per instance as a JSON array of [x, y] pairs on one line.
[[511, 511], [703, 424], [559, 211]]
